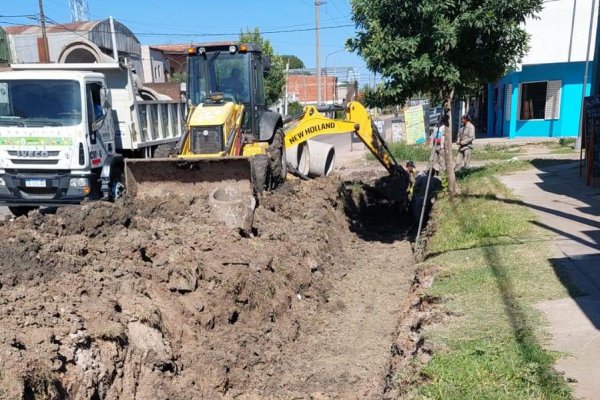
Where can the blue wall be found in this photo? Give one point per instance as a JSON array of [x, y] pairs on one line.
[[571, 75]]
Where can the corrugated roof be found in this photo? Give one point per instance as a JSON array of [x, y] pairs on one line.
[[170, 48], [83, 26]]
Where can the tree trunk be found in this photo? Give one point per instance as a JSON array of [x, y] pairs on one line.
[[449, 109]]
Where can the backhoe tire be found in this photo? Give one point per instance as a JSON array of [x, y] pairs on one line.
[[277, 160], [260, 173], [164, 151], [19, 211]]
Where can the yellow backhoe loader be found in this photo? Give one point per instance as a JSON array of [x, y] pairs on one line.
[[231, 139]]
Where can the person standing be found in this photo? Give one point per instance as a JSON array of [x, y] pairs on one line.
[[466, 135], [437, 142]]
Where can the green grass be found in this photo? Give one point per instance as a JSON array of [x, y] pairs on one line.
[[489, 152], [422, 152], [493, 267], [414, 152]]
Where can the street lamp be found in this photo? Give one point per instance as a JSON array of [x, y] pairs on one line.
[[326, 71]]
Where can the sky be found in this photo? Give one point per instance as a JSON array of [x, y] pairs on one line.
[[186, 21]]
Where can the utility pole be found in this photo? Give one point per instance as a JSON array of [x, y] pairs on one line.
[[45, 56], [317, 4], [578, 143], [287, 79]]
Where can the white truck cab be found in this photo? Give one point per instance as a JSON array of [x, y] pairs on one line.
[[61, 140]]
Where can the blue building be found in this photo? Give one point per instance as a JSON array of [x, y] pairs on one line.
[[542, 97]]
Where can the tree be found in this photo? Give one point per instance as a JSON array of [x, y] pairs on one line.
[[275, 80], [295, 62], [447, 48], [179, 77], [294, 108]]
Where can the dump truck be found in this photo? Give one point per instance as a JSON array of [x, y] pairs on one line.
[[65, 130], [232, 139]]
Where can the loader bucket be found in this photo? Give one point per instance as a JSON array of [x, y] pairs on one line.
[[163, 177]]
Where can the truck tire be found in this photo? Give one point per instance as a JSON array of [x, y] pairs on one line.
[[19, 211], [117, 184], [277, 160], [260, 173]]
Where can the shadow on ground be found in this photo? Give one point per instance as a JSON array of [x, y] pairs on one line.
[[374, 214], [571, 213]]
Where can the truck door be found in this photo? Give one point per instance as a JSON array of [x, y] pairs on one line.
[[100, 126]]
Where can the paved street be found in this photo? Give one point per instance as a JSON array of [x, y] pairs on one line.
[[571, 210]]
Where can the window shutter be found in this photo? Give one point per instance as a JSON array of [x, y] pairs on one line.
[[553, 100], [508, 105]]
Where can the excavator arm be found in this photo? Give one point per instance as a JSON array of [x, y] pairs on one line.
[[311, 123]]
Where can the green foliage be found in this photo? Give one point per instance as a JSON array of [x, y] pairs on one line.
[[179, 77], [294, 108], [295, 62], [275, 80], [436, 46], [567, 142]]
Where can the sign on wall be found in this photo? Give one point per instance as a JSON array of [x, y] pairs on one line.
[[414, 118], [397, 131]]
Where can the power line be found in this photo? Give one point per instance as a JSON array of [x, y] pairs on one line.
[[237, 33]]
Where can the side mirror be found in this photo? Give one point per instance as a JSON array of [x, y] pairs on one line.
[[97, 124], [107, 103], [266, 62]]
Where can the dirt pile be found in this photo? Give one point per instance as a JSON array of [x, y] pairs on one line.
[[156, 300]]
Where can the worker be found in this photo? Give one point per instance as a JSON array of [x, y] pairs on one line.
[[234, 83], [437, 143], [412, 172], [466, 135], [420, 186]]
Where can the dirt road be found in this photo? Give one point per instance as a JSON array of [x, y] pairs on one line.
[[157, 300]]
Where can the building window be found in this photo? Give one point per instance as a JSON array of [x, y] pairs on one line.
[[540, 100], [533, 100]]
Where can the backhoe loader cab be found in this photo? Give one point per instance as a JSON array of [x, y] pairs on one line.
[[228, 72]]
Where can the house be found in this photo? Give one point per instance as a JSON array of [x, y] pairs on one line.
[[303, 89], [156, 67], [174, 57], [543, 96]]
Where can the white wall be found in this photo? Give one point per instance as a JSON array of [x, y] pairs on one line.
[[551, 33], [154, 67]]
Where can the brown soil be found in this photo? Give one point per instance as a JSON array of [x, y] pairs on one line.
[[154, 300]]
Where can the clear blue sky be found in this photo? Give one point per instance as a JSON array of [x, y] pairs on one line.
[[151, 19]]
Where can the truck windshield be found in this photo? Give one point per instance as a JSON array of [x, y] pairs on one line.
[[219, 72], [40, 102]]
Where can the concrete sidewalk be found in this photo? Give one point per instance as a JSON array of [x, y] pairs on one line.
[[571, 210]]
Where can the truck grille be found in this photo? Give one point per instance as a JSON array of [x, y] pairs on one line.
[[206, 140], [37, 161], [33, 157]]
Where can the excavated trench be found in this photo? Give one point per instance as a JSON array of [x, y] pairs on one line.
[[156, 300]]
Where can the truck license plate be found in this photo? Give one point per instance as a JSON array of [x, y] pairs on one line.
[[39, 183]]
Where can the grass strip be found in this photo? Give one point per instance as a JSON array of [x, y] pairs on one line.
[[493, 268]]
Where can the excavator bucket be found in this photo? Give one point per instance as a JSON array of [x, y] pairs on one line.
[[162, 177]]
